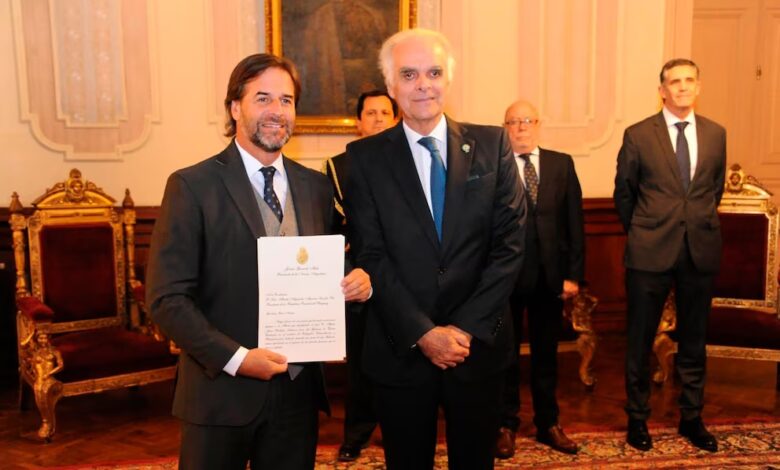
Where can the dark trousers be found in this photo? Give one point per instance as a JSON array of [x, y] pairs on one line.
[[545, 314], [408, 418], [647, 292], [360, 419], [282, 436]]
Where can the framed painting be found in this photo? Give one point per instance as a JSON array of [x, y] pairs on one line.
[[335, 45]]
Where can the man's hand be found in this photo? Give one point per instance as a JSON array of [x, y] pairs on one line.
[[445, 346], [262, 364], [570, 289], [464, 339], [356, 286]]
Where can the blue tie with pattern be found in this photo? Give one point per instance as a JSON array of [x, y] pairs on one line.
[[438, 181], [683, 155], [269, 195]]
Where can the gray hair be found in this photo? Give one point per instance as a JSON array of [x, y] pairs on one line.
[[386, 53]]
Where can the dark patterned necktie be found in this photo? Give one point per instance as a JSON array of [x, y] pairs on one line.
[[269, 195], [438, 182], [683, 155], [531, 180]]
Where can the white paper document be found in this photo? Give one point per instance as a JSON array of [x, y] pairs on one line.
[[301, 303]]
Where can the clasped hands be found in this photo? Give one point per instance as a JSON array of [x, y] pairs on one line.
[[445, 346], [263, 364]]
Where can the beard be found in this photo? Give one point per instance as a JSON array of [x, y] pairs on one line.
[[271, 141]]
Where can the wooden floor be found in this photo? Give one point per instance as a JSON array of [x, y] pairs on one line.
[[136, 424]]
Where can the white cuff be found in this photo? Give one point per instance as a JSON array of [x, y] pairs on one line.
[[235, 362]]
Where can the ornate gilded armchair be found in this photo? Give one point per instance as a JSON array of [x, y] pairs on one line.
[[744, 321], [73, 331]]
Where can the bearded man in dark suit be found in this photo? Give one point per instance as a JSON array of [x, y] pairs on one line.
[[436, 216], [670, 176], [238, 402], [554, 266]]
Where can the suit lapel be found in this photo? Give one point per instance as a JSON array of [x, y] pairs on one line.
[[401, 163], [662, 134], [458, 165], [300, 190], [240, 189], [701, 151]]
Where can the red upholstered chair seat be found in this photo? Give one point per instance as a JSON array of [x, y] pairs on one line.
[[743, 328], [109, 351]]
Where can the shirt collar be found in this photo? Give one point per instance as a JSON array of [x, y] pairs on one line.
[[252, 165], [439, 132], [534, 152], [671, 119]]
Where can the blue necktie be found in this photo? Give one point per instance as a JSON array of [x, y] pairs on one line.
[[438, 182], [269, 195], [683, 155]]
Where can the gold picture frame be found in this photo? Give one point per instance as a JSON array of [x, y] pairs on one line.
[[335, 47]]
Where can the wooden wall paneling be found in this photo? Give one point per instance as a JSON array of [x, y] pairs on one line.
[[603, 271]]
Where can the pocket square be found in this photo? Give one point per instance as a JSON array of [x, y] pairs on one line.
[[473, 177]]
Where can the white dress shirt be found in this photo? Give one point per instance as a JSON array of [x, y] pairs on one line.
[[252, 166], [534, 159], [422, 157], [690, 135]]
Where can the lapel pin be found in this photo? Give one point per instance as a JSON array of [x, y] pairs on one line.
[[466, 148]]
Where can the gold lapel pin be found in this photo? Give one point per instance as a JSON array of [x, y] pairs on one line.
[[466, 148]]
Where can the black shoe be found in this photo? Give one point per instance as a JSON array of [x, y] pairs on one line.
[[348, 453], [695, 431], [638, 437], [505, 444]]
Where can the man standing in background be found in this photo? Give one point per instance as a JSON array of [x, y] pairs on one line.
[[670, 175], [376, 111], [553, 267]]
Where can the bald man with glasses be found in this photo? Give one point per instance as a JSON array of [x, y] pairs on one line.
[[553, 268]]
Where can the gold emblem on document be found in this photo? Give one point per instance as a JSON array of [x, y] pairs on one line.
[[303, 256]]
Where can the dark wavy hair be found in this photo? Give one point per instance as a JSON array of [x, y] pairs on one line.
[[246, 71]]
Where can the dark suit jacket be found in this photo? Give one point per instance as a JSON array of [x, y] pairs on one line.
[[419, 282], [559, 222], [202, 279], [653, 207]]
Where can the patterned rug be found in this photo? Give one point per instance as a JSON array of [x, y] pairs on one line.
[[743, 446]]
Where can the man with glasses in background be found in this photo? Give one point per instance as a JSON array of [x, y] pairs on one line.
[[554, 266]]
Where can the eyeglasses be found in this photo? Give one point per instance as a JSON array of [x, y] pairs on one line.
[[517, 122]]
